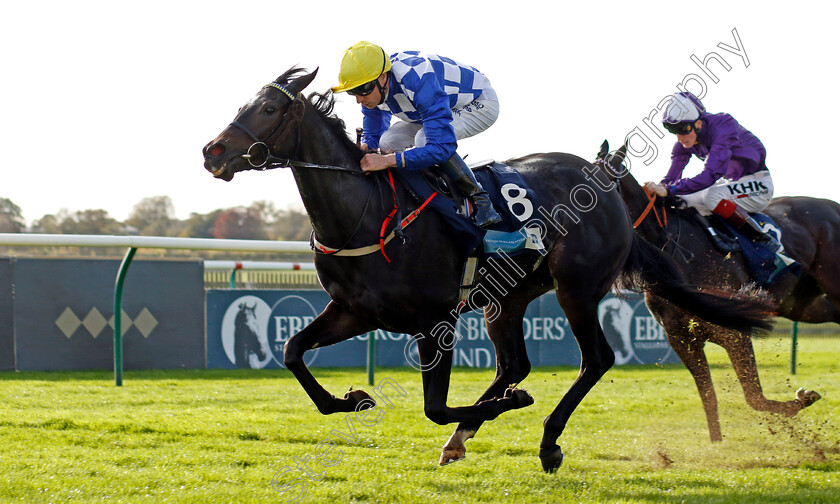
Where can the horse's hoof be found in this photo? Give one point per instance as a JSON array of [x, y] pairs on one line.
[[807, 397], [359, 399], [450, 455], [521, 398], [551, 458]]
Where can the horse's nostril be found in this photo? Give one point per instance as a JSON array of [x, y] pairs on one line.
[[217, 150]]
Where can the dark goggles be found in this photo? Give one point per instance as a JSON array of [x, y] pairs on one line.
[[363, 90], [683, 128], [368, 87]]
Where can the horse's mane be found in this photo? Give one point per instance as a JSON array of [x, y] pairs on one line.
[[324, 104]]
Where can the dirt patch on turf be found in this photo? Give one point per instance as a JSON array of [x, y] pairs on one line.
[[809, 440], [660, 459]]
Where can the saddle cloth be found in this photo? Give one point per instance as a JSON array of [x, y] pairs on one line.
[[512, 198], [765, 263]]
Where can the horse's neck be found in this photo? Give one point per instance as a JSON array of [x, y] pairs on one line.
[[319, 144], [334, 200], [634, 197]]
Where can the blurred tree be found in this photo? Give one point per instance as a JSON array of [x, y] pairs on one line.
[[266, 210], [240, 223], [48, 224], [153, 216], [89, 222], [290, 225], [11, 218], [200, 225]]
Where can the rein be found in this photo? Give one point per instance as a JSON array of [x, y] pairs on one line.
[[651, 197], [650, 206], [269, 161], [686, 254]]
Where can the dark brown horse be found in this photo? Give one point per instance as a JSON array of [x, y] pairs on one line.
[[587, 232], [810, 234]]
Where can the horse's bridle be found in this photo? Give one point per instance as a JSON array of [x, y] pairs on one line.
[[686, 254], [269, 161]]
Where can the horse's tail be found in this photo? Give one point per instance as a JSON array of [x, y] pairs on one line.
[[649, 269]]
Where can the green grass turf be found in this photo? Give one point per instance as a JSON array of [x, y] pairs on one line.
[[228, 436]]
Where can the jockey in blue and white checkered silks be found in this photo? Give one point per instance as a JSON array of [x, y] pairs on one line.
[[438, 101]]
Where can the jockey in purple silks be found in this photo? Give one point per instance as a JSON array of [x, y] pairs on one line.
[[735, 179]]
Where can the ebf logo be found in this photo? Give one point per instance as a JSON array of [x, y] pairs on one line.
[[632, 332]]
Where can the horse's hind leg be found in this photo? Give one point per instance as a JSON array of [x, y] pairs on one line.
[[689, 348], [333, 325], [596, 358], [741, 353], [435, 350], [512, 366]]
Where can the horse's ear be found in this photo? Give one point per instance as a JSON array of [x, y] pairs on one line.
[[605, 148], [618, 157], [616, 161], [299, 84], [623, 150], [622, 153]]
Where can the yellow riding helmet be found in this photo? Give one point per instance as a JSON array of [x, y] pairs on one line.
[[363, 62]]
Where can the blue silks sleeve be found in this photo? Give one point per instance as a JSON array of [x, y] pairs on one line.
[[374, 123], [432, 102]]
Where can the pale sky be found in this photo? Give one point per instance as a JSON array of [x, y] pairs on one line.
[[106, 103]]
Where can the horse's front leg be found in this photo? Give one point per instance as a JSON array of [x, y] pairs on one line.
[[333, 325], [512, 366], [689, 347]]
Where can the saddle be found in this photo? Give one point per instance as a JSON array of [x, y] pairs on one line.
[[510, 195], [765, 265], [515, 202]]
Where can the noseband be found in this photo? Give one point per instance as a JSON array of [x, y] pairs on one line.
[[259, 154]]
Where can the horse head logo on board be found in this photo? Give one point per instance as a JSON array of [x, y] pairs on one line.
[[244, 335]]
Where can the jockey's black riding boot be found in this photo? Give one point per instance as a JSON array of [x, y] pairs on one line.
[[457, 171], [722, 243]]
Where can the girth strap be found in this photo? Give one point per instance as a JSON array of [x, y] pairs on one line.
[[467, 281], [319, 247]]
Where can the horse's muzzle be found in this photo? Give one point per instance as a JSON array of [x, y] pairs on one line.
[[215, 162], [221, 172]]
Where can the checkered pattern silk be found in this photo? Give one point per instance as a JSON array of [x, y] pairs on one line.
[[424, 88]]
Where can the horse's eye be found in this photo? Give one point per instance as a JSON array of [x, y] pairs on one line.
[[270, 110]]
